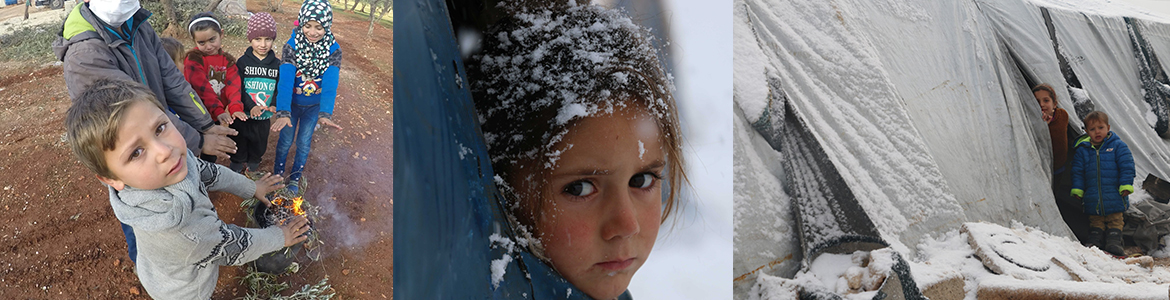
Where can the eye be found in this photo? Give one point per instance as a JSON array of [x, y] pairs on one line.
[[579, 188], [161, 127], [643, 180], [136, 153]]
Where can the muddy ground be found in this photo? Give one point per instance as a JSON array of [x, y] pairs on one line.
[[59, 238]]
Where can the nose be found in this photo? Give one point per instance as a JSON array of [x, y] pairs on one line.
[[162, 151], [622, 222]]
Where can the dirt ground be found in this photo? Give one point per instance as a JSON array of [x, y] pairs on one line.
[[60, 239]]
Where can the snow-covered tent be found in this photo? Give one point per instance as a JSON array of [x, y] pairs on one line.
[[920, 113]]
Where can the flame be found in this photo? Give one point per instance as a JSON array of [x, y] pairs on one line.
[[294, 206]]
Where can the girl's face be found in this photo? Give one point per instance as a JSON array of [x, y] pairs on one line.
[[313, 31], [207, 41], [1047, 104], [603, 201]]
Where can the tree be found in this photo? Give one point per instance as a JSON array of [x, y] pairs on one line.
[[211, 6], [172, 18], [386, 5]]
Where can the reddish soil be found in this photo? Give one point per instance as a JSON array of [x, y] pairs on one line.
[[60, 239]]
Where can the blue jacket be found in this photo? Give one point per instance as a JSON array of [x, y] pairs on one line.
[[289, 81], [1100, 174]]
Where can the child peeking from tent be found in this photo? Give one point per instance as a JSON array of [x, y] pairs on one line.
[[1102, 178], [119, 131], [581, 126]]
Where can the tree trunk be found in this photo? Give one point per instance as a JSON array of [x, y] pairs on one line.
[[386, 6], [373, 9], [211, 6], [355, 3], [169, 13]]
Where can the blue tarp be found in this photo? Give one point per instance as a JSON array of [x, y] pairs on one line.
[[446, 205]]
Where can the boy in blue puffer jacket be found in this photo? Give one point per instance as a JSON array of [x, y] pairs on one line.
[[1102, 178]]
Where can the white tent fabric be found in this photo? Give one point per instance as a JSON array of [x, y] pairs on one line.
[[922, 108]]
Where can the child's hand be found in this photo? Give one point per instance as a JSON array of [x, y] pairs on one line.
[[281, 123], [294, 230], [224, 119], [328, 122], [267, 184], [272, 109], [1078, 197], [239, 115], [1125, 193], [258, 110]]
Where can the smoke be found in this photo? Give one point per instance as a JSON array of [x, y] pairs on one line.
[[338, 227]]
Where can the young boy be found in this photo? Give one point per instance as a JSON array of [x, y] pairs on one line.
[[159, 188], [1102, 178], [259, 68]]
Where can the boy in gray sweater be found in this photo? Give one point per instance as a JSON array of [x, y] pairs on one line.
[[160, 188]]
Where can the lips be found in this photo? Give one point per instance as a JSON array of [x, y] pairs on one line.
[[178, 165], [616, 265]]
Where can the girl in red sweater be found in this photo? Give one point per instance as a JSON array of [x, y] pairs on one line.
[[212, 72]]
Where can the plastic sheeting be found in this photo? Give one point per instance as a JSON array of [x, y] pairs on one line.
[[924, 107], [446, 211]]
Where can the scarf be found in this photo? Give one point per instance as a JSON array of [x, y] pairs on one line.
[[313, 58]]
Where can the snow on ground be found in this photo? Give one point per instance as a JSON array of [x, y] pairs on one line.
[[951, 254]]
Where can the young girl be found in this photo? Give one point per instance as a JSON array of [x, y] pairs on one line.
[[307, 86], [580, 124], [212, 72]]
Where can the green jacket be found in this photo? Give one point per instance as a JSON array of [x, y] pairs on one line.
[[91, 49]]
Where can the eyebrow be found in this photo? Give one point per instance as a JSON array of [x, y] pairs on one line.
[[162, 118], [589, 171]]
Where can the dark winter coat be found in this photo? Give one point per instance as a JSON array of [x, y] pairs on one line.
[[91, 49], [1100, 173]]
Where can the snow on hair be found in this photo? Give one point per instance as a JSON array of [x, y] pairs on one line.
[[541, 71]]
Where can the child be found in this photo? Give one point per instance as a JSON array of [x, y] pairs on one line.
[[308, 85], [258, 68], [212, 72], [580, 124], [174, 49], [1102, 177], [159, 188]]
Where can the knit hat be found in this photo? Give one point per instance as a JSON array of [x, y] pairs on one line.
[[260, 25], [312, 58]]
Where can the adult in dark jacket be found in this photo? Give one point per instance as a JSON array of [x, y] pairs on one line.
[[126, 47]]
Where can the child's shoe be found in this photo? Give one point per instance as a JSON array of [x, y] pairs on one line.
[[237, 167], [1113, 242], [294, 187], [1094, 239]]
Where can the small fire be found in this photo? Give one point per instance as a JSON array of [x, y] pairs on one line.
[[293, 204]]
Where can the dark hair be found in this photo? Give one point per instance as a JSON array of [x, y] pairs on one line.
[[174, 48], [1047, 88], [202, 25], [1096, 116], [533, 82], [91, 124]]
